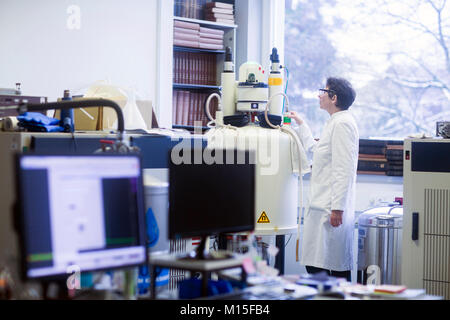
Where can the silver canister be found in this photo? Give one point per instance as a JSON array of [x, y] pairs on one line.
[[380, 245]]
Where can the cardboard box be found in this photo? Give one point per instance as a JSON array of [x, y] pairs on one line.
[[103, 118]]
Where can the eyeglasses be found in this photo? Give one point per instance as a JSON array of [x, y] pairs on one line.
[[332, 92]]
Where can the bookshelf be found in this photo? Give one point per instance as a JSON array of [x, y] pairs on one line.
[[187, 49], [197, 71]]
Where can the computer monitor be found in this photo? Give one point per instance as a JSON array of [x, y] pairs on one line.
[[207, 199], [80, 212]]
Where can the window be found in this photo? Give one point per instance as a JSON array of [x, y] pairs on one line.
[[396, 53]]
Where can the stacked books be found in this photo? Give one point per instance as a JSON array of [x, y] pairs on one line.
[[382, 157], [189, 108], [219, 12], [211, 39], [187, 34]]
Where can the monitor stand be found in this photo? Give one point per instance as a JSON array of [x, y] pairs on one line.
[[201, 253]]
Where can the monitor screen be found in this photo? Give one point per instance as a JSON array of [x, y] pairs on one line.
[[206, 199], [80, 211]]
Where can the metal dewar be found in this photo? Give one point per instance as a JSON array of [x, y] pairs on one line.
[[380, 245], [276, 185]]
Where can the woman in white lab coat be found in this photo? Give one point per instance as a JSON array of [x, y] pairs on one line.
[[328, 226]]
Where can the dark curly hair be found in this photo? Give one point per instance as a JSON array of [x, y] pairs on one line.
[[343, 90]]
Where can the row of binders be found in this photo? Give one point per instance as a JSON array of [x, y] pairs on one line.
[[192, 9], [194, 68], [187, 34], [205, 10], [189, 108], [380, 157]]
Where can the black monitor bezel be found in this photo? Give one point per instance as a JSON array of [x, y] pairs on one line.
[[248, 228], [19, 220]]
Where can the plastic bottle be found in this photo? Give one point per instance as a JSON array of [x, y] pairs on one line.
[[18, 90], [275, 84]]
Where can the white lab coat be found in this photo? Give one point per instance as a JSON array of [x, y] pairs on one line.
[[332, 187]]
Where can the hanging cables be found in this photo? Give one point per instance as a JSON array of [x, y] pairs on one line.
[[286, 71]]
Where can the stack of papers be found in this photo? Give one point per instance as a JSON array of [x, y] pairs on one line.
[[391, 292]]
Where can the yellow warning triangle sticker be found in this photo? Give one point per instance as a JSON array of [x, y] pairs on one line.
[[263, 218]]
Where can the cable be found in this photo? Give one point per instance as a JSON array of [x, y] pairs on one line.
[[267, 108], [292, 133], [300, 188], [208, 113], [285, 89]]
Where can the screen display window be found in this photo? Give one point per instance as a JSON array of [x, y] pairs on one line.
[[206, 199], [82, 211]]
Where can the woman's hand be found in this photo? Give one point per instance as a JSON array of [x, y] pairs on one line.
[[336, 218], [294, 115]]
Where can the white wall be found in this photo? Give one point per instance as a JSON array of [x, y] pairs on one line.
[[260, 28], [164, 63], [116, 41]]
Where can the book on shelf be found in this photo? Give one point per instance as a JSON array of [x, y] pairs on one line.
[[185, 108], [186, 30], [190, 116], [186, 25], [394, 152], [177, 106], [212, 10], [378, 173], [174, 105], [212, 16], [380, 150], [380, 142], [195, 113], [396, 163], [364, 156], [374, 165], [192, 9], [210, 46], [224, 21], [217, 42], [205, 35], [219, 5], [394, 147], [189, 106], [186, 36], [211, 31], [186, 43], [394, 157], [394, 167]]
